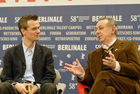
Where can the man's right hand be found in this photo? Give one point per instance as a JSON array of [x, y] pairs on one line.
[[21, 88], [75, 69]]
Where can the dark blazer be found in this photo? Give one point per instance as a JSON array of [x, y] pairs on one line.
[[42, 64], [126, 53]]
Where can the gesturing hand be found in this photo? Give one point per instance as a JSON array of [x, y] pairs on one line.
[[75, 69], [110, 61]]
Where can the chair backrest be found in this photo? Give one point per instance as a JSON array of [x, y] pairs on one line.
[[0, 73], [1, 70], [58, 76]]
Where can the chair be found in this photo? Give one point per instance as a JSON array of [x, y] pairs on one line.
[[81, 88], [60, 86], [0, 73]]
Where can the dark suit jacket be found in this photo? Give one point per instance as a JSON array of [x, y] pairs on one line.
[[126, 53], [42, 64]]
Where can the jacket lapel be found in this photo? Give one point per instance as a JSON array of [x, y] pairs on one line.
[[116, 48], [20, 53], [37, 52]]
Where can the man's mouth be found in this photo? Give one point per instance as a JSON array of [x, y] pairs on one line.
[[98, 37]]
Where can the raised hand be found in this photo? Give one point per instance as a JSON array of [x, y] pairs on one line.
[[110, 61], [75, 69]]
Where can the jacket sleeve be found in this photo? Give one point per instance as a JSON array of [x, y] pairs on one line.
[[7, 68], [131, 68]]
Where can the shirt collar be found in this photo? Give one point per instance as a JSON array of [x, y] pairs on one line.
[[26, 49], [106, 47]]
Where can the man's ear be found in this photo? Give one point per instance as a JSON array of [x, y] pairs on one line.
[[22, 31], [114, 29]]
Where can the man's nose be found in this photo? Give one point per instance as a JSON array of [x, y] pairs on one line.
[[38, 31], [97, 32]]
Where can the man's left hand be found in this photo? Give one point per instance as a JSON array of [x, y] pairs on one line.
[[34, 89], [110, 61]]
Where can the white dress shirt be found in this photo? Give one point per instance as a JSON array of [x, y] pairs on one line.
[[28, 75]]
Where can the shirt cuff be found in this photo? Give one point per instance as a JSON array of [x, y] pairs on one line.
[[38, 85], [14, 83], [117, 68], [82, 76]]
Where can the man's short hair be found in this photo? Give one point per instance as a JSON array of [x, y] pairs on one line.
[[111, 22], [22, 23]]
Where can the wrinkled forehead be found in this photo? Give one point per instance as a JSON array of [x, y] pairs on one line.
[[102, 23]]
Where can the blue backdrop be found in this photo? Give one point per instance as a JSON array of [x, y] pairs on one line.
[[69, 31]]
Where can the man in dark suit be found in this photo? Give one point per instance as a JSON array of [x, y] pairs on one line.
[[28, 67], [112, 69]]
